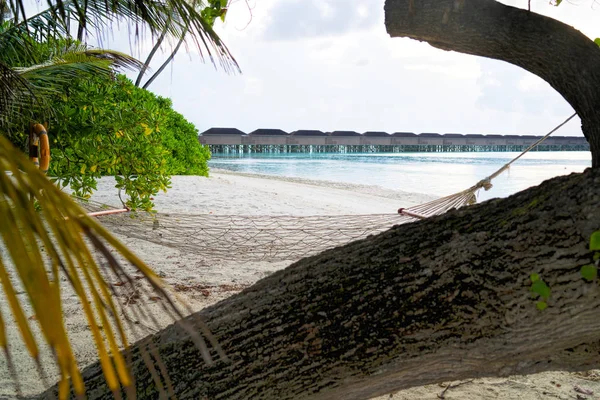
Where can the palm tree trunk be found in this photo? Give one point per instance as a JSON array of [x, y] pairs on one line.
[[146, 65], [82, 23], [167, 61]]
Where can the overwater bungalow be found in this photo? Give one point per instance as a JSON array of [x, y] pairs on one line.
[[344, 133], [376, 134], [308, 132], [222, 131], [269, 132], [404, 134]]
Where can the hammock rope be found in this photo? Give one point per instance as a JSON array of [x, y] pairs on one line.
[[278, 237]]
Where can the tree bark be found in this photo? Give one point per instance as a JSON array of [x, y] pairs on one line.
[[441, 299], [561, 55]]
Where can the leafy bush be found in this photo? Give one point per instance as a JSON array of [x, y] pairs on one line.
[[107, 126]]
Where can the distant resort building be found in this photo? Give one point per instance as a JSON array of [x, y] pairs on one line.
[[269, 132], [232, 140], [308, 133]]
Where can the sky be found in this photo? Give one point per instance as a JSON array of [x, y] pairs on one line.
[[330, 65]]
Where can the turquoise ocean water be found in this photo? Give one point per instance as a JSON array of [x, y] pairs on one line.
[[436, 174]]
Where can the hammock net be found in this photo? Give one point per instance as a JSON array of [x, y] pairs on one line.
[[276, 238]]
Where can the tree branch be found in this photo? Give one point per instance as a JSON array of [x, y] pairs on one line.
[[561, 55]]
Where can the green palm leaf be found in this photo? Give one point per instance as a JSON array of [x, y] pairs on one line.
[[15, 93], [25, 91], [177, 17], [71, 61]]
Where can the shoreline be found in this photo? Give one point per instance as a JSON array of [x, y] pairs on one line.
[[231, 193], [354, 187]]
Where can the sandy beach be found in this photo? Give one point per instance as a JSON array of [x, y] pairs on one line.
[[201, 280]]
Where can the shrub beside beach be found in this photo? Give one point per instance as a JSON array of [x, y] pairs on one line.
[[107, 126]]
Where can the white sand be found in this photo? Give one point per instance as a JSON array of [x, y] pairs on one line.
[[228, 193]]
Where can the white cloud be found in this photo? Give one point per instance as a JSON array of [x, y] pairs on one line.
[[330, 65]]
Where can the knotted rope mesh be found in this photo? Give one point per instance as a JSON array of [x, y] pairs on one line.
[[252, 237]]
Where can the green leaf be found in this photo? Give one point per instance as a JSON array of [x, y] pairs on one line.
[[589, 272], [534, 277], [541, 305], [597, 41], [557, 2], [540, 287], [595, 241]]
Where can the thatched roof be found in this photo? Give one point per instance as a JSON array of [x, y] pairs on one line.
[[308, 132], [223, 131], [404, 134], [376, 134], [344, 133], [429, 135], [269, 132]]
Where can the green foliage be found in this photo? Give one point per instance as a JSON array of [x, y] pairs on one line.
[[589, 272], [597, 41], [215, 9], [541, 289], [106, 126], [595, 241], [185, 155]]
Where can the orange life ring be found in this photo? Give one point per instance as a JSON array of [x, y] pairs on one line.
[[39, 146]]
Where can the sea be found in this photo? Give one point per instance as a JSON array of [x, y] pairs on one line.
[[437, 174]]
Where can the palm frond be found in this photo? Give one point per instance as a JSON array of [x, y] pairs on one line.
[[20, 41], [15, 92], [74, 60], [178, 17], [26, 90], [118, 60], [40, 247]]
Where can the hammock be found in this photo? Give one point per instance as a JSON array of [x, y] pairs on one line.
[[252, 238]]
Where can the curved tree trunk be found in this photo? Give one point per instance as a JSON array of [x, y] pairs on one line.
[[441, 299], [561, 55]]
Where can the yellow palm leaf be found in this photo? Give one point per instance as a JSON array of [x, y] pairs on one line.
[[45, 234]]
